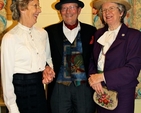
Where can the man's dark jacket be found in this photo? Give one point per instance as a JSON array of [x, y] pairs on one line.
[[56, 35]]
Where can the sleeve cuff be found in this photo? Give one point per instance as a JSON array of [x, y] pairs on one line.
[[103, 78], [13, 108]]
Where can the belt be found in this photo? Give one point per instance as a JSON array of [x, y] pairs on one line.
[[27, 76]]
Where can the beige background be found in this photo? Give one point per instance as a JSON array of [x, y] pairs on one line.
[[50, 16]]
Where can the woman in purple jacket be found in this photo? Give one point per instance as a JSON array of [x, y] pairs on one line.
[[116, 57]]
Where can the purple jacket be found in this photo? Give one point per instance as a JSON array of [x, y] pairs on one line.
[[122, 60]]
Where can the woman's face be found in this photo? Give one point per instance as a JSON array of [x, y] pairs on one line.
[[29, 15], [111, 13]]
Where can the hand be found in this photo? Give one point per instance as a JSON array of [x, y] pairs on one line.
[[48, 75], [98, 88], [96, 78]]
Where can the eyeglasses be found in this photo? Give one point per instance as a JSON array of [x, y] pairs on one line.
[[70, 8], [110, 9], [36, 6]]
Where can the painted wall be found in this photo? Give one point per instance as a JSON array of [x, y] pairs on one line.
[[50, 16]]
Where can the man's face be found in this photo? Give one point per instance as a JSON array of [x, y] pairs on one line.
[[70, 12]]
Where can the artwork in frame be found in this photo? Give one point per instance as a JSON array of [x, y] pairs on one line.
[[8, 11], [138, 88], [3, 21]]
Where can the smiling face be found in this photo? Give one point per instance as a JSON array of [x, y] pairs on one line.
[[111, 14], [70, 13], [30, 14]]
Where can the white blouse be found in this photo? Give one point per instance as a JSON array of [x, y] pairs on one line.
[[106, 41], [23, 50]]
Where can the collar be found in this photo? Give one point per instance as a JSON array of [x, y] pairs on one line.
[[25, 27], [71, 26], [105, 37], [71, 34]]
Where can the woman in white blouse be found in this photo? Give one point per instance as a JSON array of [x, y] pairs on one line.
[[25, 52]]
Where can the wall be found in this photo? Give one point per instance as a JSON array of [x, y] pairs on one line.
[[49, 15]]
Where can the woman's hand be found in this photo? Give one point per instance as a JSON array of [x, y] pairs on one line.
[[48, 75], [95, 82], [98, 88], [96, 78]]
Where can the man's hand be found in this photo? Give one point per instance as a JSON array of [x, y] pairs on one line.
[[48, 75]]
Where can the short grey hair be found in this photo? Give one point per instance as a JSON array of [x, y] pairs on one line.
[[16, 6], [123, 10]]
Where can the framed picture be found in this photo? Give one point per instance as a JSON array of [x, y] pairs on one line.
[[8, 11]]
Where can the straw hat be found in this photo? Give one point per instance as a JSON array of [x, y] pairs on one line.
[[59, 4], [99, 3]]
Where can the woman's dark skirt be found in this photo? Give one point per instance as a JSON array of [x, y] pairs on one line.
[[30, 93]]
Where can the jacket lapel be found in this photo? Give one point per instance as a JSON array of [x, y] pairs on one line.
[[58, 34], [120, 37], [84, 39]]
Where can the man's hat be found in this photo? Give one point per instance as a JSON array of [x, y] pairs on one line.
[[59, 4], [99, 3]]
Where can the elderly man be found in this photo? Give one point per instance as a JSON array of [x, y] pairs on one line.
[[71, 43]]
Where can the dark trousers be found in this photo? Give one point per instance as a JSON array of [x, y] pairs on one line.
[[72, 99]]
